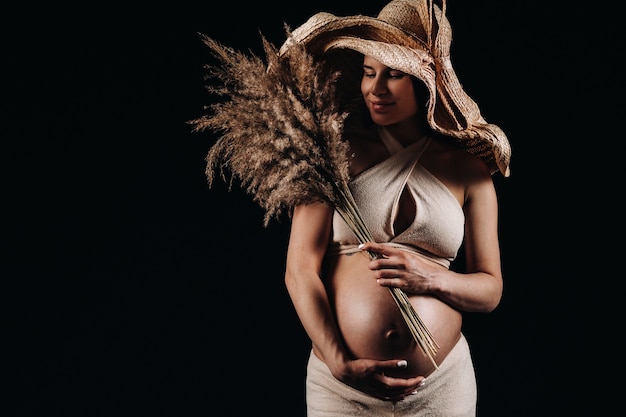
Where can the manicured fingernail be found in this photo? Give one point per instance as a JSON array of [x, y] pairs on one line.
[[361, 245], [402, 364], [421, 384], [414, 392]]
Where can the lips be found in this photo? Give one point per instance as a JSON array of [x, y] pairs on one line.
[[379, 105]]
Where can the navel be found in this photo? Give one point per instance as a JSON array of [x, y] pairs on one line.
[[392, 334]]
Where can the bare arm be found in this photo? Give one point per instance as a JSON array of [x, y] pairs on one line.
[[308, 241], [479, 289], [310, 233]]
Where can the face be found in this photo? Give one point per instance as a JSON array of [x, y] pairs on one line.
[[388, 93]]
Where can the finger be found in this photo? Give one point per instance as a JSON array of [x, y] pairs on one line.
[[387, 261], [389, 272], [401, 385], [392, 283], [374, 247], [391, 364]]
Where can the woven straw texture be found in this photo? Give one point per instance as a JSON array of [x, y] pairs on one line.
[[412, 36]]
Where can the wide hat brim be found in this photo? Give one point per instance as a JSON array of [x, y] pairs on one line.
[[451, 111]]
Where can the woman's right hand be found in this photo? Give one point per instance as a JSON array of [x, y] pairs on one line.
[[369, 376]]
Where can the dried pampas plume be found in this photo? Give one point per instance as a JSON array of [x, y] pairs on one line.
[[281, 132], [282, 139]]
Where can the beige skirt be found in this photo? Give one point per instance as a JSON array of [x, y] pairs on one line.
[[450, 391]]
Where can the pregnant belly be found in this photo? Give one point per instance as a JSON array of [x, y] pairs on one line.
[[371, 324]]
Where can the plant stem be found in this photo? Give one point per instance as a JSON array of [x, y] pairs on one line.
[[350, 214]]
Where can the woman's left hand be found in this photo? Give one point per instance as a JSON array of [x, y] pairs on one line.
[[402, 269]]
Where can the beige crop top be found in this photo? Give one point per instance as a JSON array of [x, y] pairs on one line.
[[438, 227]]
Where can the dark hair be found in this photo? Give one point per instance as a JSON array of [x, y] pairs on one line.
[[421, 91]]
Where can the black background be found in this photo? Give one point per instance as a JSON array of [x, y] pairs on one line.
[[132, 289]]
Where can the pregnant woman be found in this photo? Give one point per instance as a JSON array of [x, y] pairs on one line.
[[422, 159]]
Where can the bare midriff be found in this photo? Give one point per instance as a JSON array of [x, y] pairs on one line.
[[371, 324]]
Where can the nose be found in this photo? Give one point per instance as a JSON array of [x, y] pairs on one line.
[[379, 86]]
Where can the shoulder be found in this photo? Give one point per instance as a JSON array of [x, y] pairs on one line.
[[442, 156], [462, 172]]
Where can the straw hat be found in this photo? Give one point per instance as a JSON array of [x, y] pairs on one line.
[[412, 36]]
